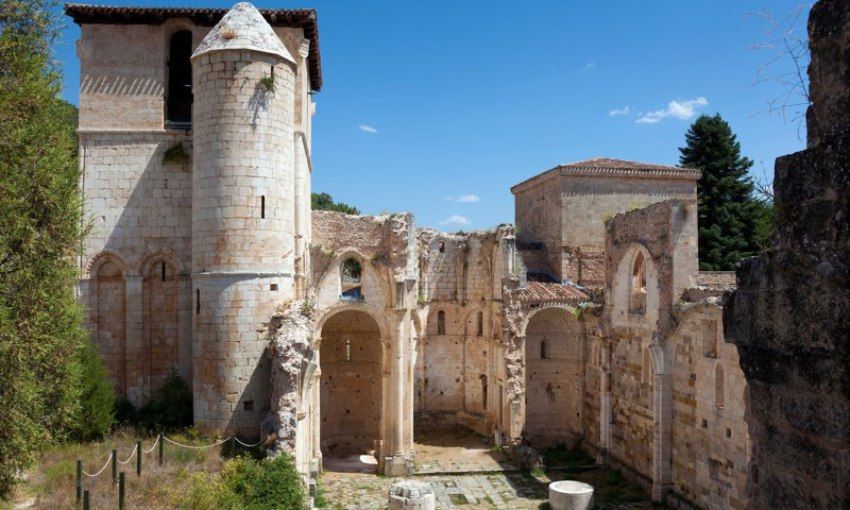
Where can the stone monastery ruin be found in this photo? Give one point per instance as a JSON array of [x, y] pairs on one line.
[[325, 334]]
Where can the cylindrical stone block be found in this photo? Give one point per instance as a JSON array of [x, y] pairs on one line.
[[411, 495], [570, 495]]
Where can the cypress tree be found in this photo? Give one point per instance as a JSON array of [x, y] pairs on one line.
[[731, 220], [42, 337]]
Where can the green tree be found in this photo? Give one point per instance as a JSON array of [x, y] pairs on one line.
[[42, 376], [325, 202], [733, 224]]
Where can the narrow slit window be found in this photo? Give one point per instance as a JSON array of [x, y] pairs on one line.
[[441, 322], [484, 391], [480, 323], [544, 349], [197, 301], [162, 269], [263, 207]]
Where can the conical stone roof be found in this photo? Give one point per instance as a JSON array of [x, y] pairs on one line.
[[243, 28]]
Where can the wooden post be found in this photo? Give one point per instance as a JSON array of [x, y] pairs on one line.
[[161, 445], [79, 480], [86, 500], [121, 491], [114, 466], [139, 458]]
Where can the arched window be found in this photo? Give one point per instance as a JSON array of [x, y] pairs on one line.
[[349, 274], [441, 322], [178, 107], [637, 297], [719, 387], [544, 349], [480, 324], [484, 388], [442, 247]]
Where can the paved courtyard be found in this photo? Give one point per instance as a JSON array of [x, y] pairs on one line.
[[467, 473]]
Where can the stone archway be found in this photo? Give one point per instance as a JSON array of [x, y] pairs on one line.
[[352, 393], [553, 368]]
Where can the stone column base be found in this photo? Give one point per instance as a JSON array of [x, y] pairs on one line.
[[398, 466]]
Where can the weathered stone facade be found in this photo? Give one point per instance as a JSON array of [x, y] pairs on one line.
[[790, 316], [329, 334]]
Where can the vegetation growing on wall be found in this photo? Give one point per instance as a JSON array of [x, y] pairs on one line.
[[733, 223], [51, 387], [325, 202]]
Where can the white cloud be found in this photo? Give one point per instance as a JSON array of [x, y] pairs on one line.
[[463, 199], [367, 129], [620, 111], [682, 110], [589, 66], [456, 220]]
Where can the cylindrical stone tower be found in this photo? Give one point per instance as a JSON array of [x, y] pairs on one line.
[[242, 214]]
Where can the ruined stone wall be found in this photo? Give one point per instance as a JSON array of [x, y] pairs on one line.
[[676, 387], [553, 378], [790, 316], [710, 449], [457, 373]]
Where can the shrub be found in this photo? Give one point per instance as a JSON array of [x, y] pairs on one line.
[[97, 399], [170, 408], [247, 484]]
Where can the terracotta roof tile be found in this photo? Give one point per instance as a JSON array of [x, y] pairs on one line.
[[552, 293], [612, 167]]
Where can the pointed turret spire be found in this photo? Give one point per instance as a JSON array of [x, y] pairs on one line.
[[243, 28]]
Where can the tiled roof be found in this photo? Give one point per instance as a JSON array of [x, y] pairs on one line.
[[613, 167], [552, 293], [306, 19], [620, 164]]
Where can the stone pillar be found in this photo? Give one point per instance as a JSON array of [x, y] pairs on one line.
[[662, 406], [398, 464], [136, 357], [515, 377], [605, 405]]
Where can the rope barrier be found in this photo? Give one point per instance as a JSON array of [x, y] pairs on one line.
[[137, 450], [152, 446], [258, 443], [108, 459], [197, 447], [132, 454]]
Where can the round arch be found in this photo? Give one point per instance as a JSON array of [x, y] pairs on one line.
[[102, 258], [554, 364], [524, 326], [352, 383]]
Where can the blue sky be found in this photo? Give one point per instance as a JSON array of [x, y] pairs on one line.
[[439, 107]]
